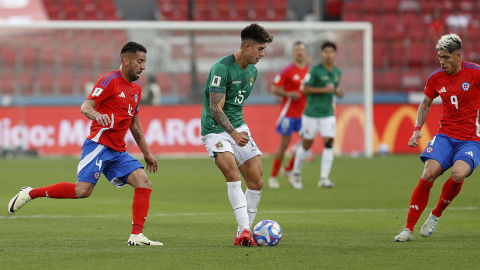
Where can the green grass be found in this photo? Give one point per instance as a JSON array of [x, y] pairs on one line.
[[351, 226]]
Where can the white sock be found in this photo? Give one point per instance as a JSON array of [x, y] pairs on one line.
[[300, 156], [253, 199], [327, 162], [239, 204]]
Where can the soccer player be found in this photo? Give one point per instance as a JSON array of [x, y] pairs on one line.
[[113, 107], [293, 103], [457, 143], [224, 132], [321, 85]]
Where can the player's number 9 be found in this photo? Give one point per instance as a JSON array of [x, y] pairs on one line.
[[454, 101]]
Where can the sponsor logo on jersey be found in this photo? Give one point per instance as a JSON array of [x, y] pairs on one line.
[[236, 82], [97, 91], [219, 146], [295, 77], [429, 149], [122, 95], [96, 175], [216, 80], [251, 81], [470, 153], [324, 78], [443, 90], [465, 86], [136, 97]]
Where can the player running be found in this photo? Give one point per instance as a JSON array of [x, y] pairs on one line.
[[293, 103], [224, 132], [321, 85], [113, 107], [457, 143]]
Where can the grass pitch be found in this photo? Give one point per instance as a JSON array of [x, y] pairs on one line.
[[351, 226]]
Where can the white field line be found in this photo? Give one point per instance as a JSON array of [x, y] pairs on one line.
[[231, 213]]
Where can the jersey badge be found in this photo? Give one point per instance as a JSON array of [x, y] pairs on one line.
[[296, 77], [443, 90], [219, 146], [136, 98], [465, 86], [96, 175], [429, 149], [97, 91], [216, 80], [251, 81]]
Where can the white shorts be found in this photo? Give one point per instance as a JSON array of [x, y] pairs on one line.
[[223, 142], [327, 126]]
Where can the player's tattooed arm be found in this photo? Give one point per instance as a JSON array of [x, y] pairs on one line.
[[423, 111], [217, 100]]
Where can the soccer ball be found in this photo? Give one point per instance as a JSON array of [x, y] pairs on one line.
[[267, 233]]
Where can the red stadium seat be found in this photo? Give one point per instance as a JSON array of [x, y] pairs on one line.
[[85, 57], [106, 56], [418, 34], [391, 80], [47, 57], [473, 33], [9, 57], [65, 83], [165, 83], [7, 83], [372, 6], [67, 58], [415, 55], [377, 81], [351, 6], [428, 6], [390, 6], [184, 84], [82, 78], [379, 54], [470, 52], [46, 83], [396, 55], [25, 81], [412, 81], [29, 58], [351, 17]]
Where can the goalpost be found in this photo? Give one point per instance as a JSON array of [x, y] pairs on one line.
[[179, 56]]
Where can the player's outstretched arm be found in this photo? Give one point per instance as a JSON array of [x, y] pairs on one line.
[[217, 100], [422, 114], [137, 132], [88, 109]]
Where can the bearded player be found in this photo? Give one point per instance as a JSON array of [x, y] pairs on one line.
[[457, 143], [113, 107], [224, 132], [293, 102]]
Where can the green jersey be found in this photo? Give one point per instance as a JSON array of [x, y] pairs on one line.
[[226, 76], [321, 105]]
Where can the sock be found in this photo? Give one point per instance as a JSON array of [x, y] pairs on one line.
[[449, 191], [327, 162], [62, 190], [239, 204], [140, 205], [300, 156], [418, 202], [289, 166], [276, 166], [253, 199]]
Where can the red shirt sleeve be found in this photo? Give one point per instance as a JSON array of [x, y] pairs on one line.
[[280, 80], [429, 91], [101, 93]]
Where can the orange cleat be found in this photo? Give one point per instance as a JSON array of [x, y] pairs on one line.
[[244, 239]]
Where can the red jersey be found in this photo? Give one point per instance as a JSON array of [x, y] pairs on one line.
[[119, 99], [460, 95], [291, 77]]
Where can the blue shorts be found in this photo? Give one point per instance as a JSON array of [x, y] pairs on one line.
[[97, 158], [287, 125], [446, 151]]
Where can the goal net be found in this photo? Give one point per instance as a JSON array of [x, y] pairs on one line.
[[57, 63]]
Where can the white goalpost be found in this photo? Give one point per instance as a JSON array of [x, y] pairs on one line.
[[174, 50]]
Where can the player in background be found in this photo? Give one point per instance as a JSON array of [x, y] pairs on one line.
[[113, 107], [321, 85], [457, 143], [224, 132], [293, 103]]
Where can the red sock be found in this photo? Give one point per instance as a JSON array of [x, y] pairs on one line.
[[418, 202], [57, 191], [289, 166], [276, 166], [449, 191], [141, 203]]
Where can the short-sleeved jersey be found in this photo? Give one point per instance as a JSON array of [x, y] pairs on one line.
[[321, 105], [117, 98], [460, 95], [291, 78], [226, 76]]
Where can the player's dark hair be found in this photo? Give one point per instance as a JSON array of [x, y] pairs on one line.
[[300, 43], [329, 44], [256, 33], [133, 47]]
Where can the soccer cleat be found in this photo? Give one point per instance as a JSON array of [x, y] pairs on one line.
[[273, 182], [245, 239], [429, 226], [325, 183], [19, 200], [404, 236], [295, 180], [141, 240]]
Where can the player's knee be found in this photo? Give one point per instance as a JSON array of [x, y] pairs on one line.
[[429, 176], [458, 176], [82, 193], [232, 175], [329, 143]]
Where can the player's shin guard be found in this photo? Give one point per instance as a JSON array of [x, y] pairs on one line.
[[62, 190], [418, 202], [239, 204], [327, 162], [140, 205], [450, 190], [253, 199], [300, 156]]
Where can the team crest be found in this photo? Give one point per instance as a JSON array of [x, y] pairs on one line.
[[251, 81], [136, 98], [219, 146], [429, 149], [96, 175], [465, 86]]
